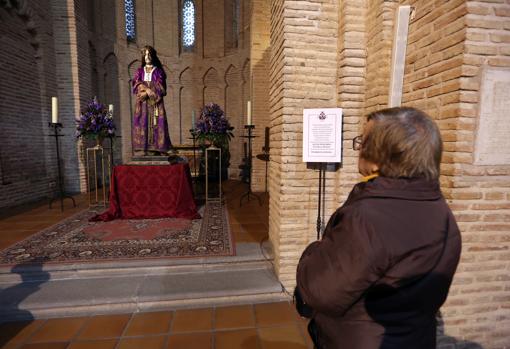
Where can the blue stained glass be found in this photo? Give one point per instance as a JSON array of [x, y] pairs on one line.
[[130, 19], [188, 23]]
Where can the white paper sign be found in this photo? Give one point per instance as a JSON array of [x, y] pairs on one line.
[[322, 135]]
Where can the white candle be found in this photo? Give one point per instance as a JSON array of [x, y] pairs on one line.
[[110, 110], [248, 113], [54, 110], [193, 119]]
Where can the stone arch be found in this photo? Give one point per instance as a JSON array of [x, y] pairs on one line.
[[186, 106], [111, 93], [211, 92], [169, 93], [131, 68], [94, 72], [168, 87], [186, 76], [232, 82], [111, 84], [234, 112]]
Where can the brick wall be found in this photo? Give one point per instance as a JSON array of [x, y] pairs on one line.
[[27, 166], [291, 55], [276, 78], [477, 309], [70, 46], [450, 46], [303, 75], [259, 59], [351, 86], [379, 37], [73, 72]]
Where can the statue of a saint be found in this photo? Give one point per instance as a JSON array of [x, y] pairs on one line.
[[150, 127]]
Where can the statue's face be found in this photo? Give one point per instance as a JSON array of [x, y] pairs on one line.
[[147, 57]]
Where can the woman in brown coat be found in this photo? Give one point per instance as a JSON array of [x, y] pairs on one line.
[[387, 257]]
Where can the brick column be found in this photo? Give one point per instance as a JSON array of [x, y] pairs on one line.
[[259, 89], [303, 74], [73, 82]]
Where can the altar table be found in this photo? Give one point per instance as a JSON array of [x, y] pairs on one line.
[[149, 191]]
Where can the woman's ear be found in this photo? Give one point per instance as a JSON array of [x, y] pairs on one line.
[[374, 168]]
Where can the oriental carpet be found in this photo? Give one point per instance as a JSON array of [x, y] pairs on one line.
[[75, 239]]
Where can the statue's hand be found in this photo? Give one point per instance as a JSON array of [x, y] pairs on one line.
[[150, 94], [142, 95]]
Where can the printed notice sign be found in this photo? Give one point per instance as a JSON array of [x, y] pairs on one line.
[[322, 135], [492, 145]]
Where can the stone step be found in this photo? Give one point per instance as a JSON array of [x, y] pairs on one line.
[[144, 285], [248, 255], [79, 297]]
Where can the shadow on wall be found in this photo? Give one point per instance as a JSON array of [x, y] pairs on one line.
[[446, 342], [32, 276]]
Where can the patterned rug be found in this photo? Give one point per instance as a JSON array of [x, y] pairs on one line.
[[75, 239]]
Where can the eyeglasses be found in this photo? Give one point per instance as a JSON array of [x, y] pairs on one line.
[[357, 142]]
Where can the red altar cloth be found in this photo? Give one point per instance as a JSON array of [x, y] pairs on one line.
[[139, 191]]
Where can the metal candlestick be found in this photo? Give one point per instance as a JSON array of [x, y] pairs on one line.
[[61, 194], [249, 192], [194, 138]]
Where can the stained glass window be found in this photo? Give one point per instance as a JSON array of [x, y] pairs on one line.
[[130, 19], [188, 24]]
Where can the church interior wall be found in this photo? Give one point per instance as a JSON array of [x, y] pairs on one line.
[[303, 75], [351, 86], [450, 47], [71, 58], [27, 66], [276, 77], [289, 55], [260, 88]]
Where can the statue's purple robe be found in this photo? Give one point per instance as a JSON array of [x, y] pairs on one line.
[[150, 127]]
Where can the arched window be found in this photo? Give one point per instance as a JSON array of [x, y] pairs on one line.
[[129, 6], [232, 23], [188, 24], [235, 21]]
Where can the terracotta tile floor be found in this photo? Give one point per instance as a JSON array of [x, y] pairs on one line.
[[257, 326]]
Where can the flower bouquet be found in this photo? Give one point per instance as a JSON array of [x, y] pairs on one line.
[[213, 128], [95, 122]]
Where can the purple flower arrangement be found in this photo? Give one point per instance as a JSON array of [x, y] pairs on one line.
[[95, 121], [213, 126]]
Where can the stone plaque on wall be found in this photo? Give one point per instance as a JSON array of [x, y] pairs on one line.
[[493, 135]]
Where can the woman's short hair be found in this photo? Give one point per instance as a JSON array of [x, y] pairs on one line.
[[403, 142]]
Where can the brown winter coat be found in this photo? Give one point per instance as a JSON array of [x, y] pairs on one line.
[[379, 275]]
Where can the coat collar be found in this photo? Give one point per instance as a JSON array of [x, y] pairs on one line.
[[417, 189]]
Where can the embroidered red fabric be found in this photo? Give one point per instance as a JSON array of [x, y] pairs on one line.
[[139, 191]]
